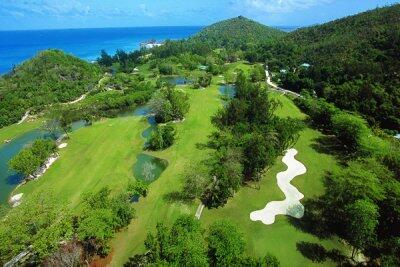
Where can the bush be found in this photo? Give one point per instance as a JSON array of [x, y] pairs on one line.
[[204, 80], [162, 137], [350, 130], [30, 159], [166, 69], [169, 104]]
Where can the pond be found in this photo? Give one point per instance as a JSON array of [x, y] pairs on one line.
[[148, 168], [178, 80], [8, 178], [228, 90]]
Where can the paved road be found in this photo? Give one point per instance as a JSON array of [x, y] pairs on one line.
[[276, 87]]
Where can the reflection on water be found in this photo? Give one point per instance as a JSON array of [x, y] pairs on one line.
[[178, 80], [228, 90], [148, 168]]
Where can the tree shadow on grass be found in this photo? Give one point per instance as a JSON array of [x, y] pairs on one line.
[[313, 222], [330, 145], [317, 253], [176, 197]]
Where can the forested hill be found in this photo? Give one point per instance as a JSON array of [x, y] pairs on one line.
[[50, 77], [236, 32], [355, 63], [372, 36]]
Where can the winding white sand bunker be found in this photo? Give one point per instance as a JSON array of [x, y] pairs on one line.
[[291, 205]]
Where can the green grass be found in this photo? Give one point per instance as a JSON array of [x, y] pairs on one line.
[[281, 237], [104, 154], [155, 207], [15, 130], [96, 156]]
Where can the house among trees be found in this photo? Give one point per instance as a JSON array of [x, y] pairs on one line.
[[150, 44]]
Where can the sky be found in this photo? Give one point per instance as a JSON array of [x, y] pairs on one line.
[[62, 14]]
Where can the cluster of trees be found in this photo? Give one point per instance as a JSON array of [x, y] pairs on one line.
[[203, 81], [169, 104], [50, 77], [257, 74], [360, 204], [236, 33], [128, 94], [52, 234], [162, 137], [249, 138], [121, 61], [354, 63], [185, 243], [31, 158]]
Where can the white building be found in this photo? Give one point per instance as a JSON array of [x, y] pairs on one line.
[[150, 44]]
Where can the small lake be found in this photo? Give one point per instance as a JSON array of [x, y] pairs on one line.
[[148, 168], [10, 179], [227, 90], [178, 80]]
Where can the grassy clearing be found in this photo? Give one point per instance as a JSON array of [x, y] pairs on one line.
[[156, 207], [96, 156], [281, 237], [16, 130]]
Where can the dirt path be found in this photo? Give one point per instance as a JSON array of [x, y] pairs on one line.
[[276, 87]]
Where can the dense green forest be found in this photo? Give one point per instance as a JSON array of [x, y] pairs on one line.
[[354, 63], [236, 33], [50, 77]]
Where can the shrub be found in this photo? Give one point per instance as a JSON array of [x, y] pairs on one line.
[[29, 160], [350, 130], [162, 137]]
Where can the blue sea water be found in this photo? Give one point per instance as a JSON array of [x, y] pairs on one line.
[[17, 46]]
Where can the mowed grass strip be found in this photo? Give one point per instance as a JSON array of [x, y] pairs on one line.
[[156, 207], [96, 156], [15, 130], [281, 237]]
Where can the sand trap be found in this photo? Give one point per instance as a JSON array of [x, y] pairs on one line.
[[46, 166], [291, 205], [16, 200], [63, 145]]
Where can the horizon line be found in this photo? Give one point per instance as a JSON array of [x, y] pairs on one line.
[[130, 27]]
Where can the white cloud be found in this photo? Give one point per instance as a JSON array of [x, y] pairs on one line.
[[146, 11], [283, 6]]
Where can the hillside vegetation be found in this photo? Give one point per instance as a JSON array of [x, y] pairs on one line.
[[354, 63], [236, 32], [50, 77]]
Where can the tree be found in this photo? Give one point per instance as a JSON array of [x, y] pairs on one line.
[[105, 59], [41, 221], [181, 245], [271, 261], [204, 80], [194, 182], [162, 137], [29, 159], [169, 104], [257, 74], [362, 218], [225, 244], [350, 130], [166, 69]]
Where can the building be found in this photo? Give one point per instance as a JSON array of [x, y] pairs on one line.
[[150, 44]]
